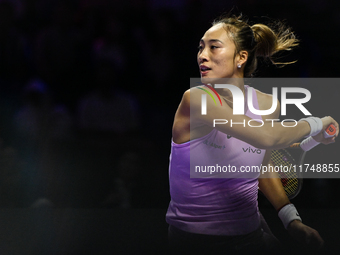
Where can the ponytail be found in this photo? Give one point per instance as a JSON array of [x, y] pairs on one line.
[[258, 40], [269, 42]]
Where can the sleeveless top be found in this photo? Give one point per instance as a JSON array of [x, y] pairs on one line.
[[215, 206]]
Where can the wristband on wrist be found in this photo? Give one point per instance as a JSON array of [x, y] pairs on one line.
[[315, 125], [308, 143], [288, 213]]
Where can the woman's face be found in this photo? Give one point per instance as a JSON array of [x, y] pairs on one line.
[[216, 55]]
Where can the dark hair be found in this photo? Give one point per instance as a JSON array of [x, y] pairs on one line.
[[258, 40]]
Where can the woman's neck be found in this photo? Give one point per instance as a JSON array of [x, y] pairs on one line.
[[226, 93]]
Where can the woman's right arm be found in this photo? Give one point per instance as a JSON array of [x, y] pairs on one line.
[[269, 136]]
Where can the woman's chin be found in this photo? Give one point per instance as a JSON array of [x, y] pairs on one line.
[[208, 80]]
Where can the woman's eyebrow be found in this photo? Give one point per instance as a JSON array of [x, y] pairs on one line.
[[212, 40]]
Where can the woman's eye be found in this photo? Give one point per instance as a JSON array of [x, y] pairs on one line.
[[200, 47], [213, 47]]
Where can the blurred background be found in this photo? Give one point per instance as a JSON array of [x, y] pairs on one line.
[[89, 89]]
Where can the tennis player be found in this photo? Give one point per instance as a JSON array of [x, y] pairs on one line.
[[221, 215]]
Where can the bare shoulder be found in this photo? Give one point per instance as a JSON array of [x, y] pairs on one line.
[[182, 125], [185, 99], [187, 124], [191, 97], [265, 102]]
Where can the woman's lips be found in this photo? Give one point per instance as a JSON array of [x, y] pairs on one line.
[[204, 69]]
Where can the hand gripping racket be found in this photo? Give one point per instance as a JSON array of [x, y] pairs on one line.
[[292, 159]]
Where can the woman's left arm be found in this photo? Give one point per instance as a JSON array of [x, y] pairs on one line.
[[271, 186]]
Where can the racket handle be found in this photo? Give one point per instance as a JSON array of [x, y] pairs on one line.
[[309, 143], [330, 131]]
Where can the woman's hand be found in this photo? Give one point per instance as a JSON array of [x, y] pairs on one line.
[[305, 235], [326, 121]]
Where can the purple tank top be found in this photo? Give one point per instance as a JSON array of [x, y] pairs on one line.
[[214, 206]]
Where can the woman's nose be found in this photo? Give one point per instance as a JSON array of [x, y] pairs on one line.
[[202, 56]]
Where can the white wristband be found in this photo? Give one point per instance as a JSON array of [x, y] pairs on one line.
[[315, 125], [288, 213], [308, 143]]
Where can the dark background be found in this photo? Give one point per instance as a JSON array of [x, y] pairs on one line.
[[88, 91]]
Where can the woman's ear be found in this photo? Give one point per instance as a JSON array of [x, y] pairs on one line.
[[242, 57]]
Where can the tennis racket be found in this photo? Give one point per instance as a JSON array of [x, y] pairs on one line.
[[290, 161]]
